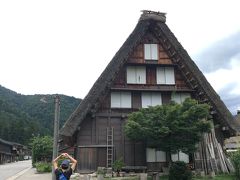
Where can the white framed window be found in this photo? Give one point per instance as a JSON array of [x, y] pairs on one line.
[[180, 156], [136, 75], [180, 97], [121, 100], [151, 99], [150, 51], [154, 155], [165, 75]]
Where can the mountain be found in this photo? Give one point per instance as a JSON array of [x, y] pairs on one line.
[[25, 116]]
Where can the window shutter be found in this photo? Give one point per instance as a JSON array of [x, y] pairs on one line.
[[126, 100], [169, 74], [115, 99], [151, 99], [180, 157], [156, 99], [180, 97], [174, 157], [176, 97], [154, 51], [146, 99], [184, 96], [161, 156], [151, 155], [141, 75], [131, 75], [136, 75], [161, 79], [183, 157], [147, 51]]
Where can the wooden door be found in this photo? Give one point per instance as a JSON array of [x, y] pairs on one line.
[[87, 159]]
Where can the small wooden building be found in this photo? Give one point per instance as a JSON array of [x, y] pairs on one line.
[[151, 68], [5, 152], [11, 151]]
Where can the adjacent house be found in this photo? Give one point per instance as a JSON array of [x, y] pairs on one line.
[[5, 152], [151, 68], [11, 151]]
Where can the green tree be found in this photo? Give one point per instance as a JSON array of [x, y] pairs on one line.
[[235, 158], [171, 127], [41, 149]]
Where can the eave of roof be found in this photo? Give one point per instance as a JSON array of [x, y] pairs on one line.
[[6, 142]]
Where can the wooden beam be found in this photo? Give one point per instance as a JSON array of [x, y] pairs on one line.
[[182, 66], [195, 87], [95, 146], [121, 115]]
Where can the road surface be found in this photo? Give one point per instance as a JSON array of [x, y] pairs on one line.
[[9, 170]]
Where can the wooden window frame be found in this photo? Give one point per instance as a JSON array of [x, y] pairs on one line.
[[164, 75], [151, 57], [182, 97], [137, 73], [151, 94], [121, 98]]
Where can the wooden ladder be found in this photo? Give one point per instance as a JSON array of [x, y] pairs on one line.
[[109, 146]]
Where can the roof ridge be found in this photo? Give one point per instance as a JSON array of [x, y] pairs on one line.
[[155, 15]]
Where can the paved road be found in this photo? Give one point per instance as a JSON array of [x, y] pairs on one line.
[[10, 169]]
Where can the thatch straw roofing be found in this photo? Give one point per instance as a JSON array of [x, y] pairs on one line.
[[147, 23]]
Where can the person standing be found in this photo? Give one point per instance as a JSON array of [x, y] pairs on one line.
[[65, 170]]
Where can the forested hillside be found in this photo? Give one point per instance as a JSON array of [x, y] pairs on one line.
[[25, 116]]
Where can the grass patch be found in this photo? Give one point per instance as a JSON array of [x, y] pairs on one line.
[[122, 178], [217, 177], [43, 167]]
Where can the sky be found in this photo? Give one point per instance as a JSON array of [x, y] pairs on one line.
[[49, 47]]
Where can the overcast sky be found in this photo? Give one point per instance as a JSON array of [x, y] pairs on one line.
[[49, 47]]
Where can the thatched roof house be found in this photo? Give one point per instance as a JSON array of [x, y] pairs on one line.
[[152, 30]]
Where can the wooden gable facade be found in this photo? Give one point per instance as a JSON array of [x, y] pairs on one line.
[[151, 68]]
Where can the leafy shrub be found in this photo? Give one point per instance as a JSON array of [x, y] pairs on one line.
[[235, 158], [179, 171], [43, 167], [41, 149], [117, 165]]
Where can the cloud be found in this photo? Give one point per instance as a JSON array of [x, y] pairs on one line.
[[231, 100], [220, 54], [220, 63]]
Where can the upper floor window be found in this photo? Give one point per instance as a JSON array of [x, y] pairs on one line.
[[136, 75], [165, 75], [180, 97], [121, 100], [151, 99], [150, 51]]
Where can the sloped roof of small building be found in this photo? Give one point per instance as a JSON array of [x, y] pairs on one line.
[[153, 22], [6, 142]]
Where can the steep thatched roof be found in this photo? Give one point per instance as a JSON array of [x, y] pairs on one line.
[[155, 23]]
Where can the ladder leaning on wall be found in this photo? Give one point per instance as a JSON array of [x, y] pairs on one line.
[[109, 146]]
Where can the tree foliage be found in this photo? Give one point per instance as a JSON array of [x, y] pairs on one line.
[[25, 116], [171, 127], [41, 149], [179, 171], [235, 158]]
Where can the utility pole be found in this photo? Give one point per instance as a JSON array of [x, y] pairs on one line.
[[56, 129]]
